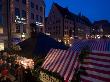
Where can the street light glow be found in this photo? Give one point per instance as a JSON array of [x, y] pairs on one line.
[[39, 24]]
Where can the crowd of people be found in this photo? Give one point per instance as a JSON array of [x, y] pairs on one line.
[[11, 71]]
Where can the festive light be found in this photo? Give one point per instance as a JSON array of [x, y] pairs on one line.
[[26, 63]]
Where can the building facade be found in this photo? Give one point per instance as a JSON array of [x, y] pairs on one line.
[[16, 17], [63, 25], [23, 13]]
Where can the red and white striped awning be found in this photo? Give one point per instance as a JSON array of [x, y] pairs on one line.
[[62, 62], [97, 67], [102, 45], [97, 64]]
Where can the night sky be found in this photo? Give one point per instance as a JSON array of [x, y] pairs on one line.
[[93, 9]]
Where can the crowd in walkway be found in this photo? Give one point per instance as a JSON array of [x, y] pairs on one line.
[[12, 71]]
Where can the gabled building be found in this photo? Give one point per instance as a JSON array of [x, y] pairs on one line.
[[63, 25]]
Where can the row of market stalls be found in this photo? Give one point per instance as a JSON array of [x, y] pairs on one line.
[[85, 61]]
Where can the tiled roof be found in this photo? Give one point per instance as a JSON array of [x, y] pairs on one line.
[[69, 15], [65, 12]]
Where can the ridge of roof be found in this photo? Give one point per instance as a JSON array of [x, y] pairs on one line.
[[70, 15], [65, 12]]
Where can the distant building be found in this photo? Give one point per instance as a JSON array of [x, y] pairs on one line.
[[63, 25], [22, 13], [101, 28]]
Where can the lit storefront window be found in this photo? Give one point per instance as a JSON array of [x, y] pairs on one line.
[[68, 40], [1, 46], [1, 30]]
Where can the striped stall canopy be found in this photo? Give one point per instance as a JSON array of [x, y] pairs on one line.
[[102, 45], [96, 64], [97, 67], [62, 62]]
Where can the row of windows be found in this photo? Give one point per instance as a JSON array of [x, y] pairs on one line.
[[18, 29], [37, 17], [66, 27], [32, 5], [54, 28], [17, 12], [37, 7], [69, 22], [23, 1], [72, 22], [56, 33], [66, 32], [54, 22]]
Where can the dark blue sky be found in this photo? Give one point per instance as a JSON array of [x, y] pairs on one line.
[[93, 9]]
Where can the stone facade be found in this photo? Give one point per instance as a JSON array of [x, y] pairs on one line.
[[19, 14], [25, 13]]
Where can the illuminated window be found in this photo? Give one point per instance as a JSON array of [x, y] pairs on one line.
[[1, 30], [1, 46]]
